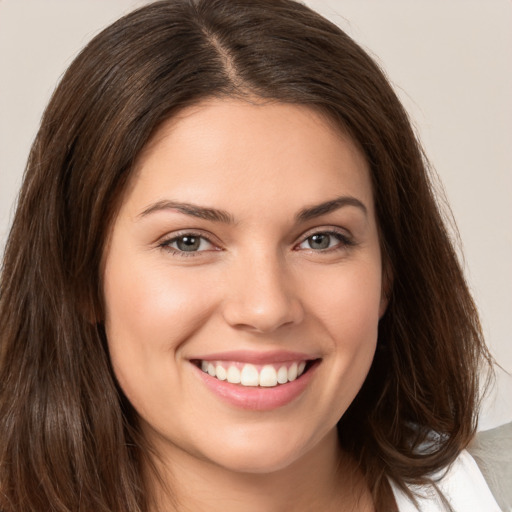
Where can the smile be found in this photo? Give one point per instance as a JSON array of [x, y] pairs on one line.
[[251, 375], [257, 381]]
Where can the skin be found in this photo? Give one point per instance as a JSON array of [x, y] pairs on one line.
[[257, 285]]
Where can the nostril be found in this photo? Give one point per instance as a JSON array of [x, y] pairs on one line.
[[263, 318]]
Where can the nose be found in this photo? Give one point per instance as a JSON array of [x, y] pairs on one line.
[[261, 295]]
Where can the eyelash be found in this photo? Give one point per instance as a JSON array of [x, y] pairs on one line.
[[166, 244], [344, 242]]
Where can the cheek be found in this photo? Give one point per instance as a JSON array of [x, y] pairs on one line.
[[149, 313], [349, 316], [149, 304], [349, 302]]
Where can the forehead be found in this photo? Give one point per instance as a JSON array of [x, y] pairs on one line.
[[239, 152]]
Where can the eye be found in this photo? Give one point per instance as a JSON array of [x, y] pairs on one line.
[[324, 240], [187, 243]]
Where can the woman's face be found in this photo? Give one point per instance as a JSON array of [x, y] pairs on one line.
[[246, 249]]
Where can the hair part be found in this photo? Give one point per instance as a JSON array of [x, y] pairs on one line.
[[69, 439]]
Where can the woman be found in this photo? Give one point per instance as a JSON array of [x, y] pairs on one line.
[[230, 296]]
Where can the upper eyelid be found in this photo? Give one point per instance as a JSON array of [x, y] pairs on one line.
[[165, 244], [193, 232], [325, 229], [345, 238], [210, 238]]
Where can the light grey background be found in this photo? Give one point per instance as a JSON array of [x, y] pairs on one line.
[[449, 62]]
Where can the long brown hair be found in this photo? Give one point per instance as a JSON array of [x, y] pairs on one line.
[[69, 440]]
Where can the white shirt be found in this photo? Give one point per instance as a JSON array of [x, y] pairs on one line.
[[463, 486]]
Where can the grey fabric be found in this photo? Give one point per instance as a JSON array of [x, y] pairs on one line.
[[492, 451]]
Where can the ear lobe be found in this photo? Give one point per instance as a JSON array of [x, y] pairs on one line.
[[387, 287], [384, 300]]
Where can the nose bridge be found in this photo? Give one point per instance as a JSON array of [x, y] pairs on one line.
[[262, 294]]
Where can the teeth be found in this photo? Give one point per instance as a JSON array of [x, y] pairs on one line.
[[233, 375], [292, 372], [220, 372], [249, 376], [268, 376], [282, 375]]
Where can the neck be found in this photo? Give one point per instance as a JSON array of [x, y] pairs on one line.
[[324, 479]]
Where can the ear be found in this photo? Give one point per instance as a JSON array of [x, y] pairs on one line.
[[386, 289]]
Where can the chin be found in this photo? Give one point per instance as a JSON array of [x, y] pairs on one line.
[[254, 461], [261, 452]]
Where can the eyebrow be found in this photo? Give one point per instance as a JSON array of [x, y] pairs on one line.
[[222, 216], [201, 212], [329, 206]]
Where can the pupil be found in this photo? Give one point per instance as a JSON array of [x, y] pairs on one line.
[[188, 243], [319, 241]]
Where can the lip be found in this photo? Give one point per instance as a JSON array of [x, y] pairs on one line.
[[256, 398], [252, 357]]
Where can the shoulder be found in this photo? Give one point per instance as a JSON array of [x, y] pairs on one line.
[[492, 451], [463, 486]]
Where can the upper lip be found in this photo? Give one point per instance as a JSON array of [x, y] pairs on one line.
[[255, 357]]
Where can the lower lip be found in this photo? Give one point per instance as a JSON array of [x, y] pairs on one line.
[[257, 398]]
